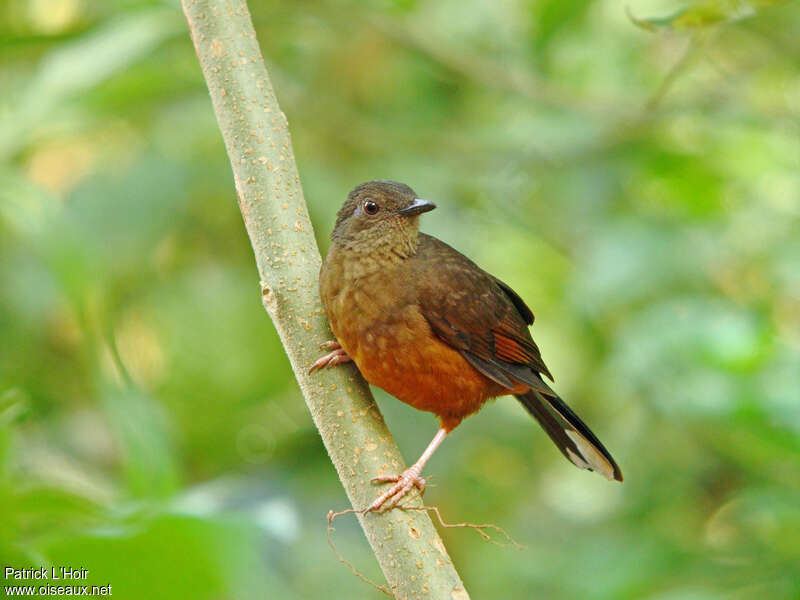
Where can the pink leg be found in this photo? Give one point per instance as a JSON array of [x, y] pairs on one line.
[[335, 357], [407, 479]]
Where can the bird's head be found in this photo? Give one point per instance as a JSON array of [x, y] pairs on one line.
[[380, 216]]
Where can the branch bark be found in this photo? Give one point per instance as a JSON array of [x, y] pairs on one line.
[[406, 544]]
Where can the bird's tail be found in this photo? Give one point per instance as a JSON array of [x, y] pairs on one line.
[[575, 440]]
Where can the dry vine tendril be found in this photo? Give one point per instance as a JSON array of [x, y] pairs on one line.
[[481, 529]]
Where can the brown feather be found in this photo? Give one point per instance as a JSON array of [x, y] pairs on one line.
[[429, 326]]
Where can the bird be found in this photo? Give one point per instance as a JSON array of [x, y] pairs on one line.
[[430, 327]]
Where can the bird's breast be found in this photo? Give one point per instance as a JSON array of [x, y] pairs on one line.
[[378, 322], [370, 313]]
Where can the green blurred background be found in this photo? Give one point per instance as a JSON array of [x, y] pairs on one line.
[[635, 177]]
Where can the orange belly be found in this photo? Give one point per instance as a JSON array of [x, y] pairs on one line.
[[402, 356]]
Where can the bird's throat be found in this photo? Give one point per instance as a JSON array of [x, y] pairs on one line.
[[363, 256]]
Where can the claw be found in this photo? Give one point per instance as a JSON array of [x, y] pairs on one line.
[[336, 357], [407, 480], [419, 482], [403, 484]]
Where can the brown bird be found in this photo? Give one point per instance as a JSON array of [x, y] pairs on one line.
[[433, 329]]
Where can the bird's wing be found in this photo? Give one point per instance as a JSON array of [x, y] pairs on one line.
[[478, 315], [487, 322]]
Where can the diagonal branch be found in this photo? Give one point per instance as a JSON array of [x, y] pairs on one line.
[[407, 546]]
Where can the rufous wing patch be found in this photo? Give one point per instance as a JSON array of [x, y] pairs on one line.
[[509, 349]]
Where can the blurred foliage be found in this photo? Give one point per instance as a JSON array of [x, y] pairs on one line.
[[639, 188]]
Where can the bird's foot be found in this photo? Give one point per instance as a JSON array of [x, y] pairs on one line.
[[403, 484], [335, 357]]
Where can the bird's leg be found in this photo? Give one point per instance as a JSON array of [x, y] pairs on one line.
[[408, 479], [335, 357]]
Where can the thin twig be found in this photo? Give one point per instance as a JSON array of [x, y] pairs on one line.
[[331, 517], [481, 529], [680, 66]]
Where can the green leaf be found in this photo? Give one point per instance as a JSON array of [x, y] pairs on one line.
[[702, 15], [76, 67], [143, 432]]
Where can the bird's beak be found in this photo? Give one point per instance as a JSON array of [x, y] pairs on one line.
[[417, 208]]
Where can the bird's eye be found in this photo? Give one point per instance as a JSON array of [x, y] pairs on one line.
[[370, 207]]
